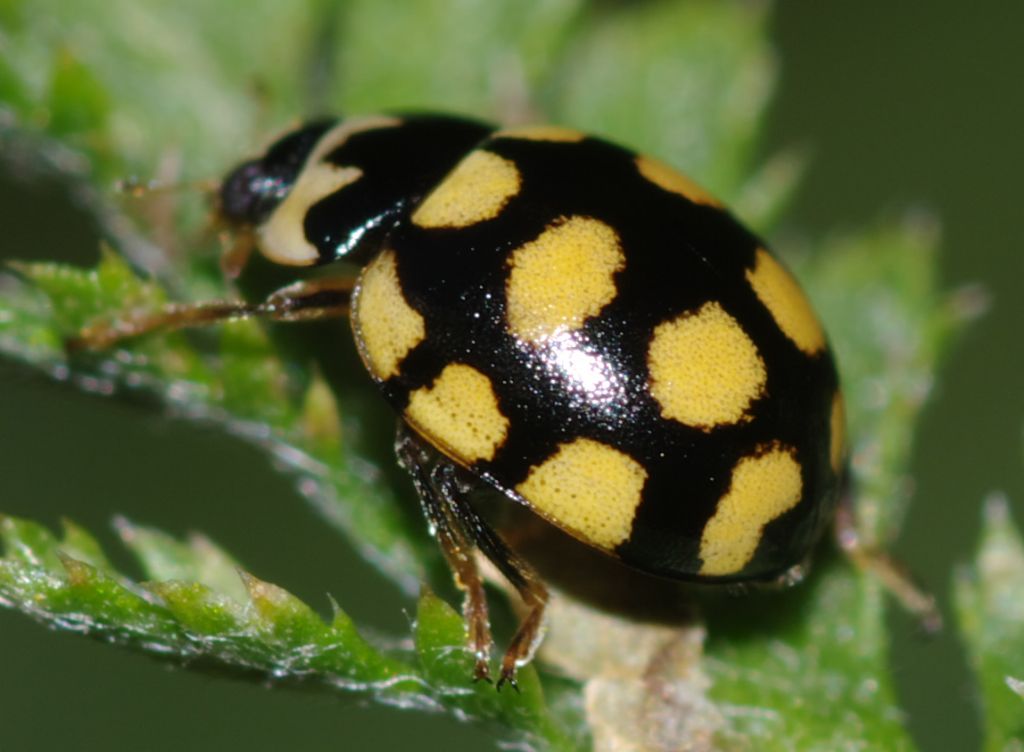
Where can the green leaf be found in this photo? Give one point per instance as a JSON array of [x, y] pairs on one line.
[[256, 387], [511, 47], [11, 13], [816, 676], [30, 544], [78, 103], [259, 630], [243, 383], [989, 597], [685, 81], [445, 662], [77, 543], [157, 58], [12, 93], [77, 297], [163, 558]]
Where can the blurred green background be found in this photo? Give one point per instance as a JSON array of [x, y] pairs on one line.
[[897, 105]]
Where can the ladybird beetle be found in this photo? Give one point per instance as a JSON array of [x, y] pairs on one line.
[[556, 317]]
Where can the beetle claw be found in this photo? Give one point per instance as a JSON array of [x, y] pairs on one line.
[[482, 672], [508, 676]]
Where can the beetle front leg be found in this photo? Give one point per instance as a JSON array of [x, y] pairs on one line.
[[302, 301]]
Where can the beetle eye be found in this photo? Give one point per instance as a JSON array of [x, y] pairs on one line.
[[249, 193], [252, 190]]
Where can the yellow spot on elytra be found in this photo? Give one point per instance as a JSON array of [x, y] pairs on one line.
[[837, 433], [562, 278], [590, 489], [542, 133], [670, 179], [786, 302], [476, 190], [386, 326], [705, 370], [282, 237], [459, 414], [762, 488]]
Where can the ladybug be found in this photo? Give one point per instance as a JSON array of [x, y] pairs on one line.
[[580, 327]]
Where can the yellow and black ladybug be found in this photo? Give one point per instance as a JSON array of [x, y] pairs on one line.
[[580, 327]]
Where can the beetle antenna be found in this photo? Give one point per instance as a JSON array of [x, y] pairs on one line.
[[136, 187]]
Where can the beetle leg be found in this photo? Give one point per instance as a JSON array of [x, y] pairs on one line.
[[427, 474], [459, 553], [302, 301], [522, 577], [889, 572]]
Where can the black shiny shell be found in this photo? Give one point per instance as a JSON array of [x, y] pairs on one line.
[[681, 255]]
